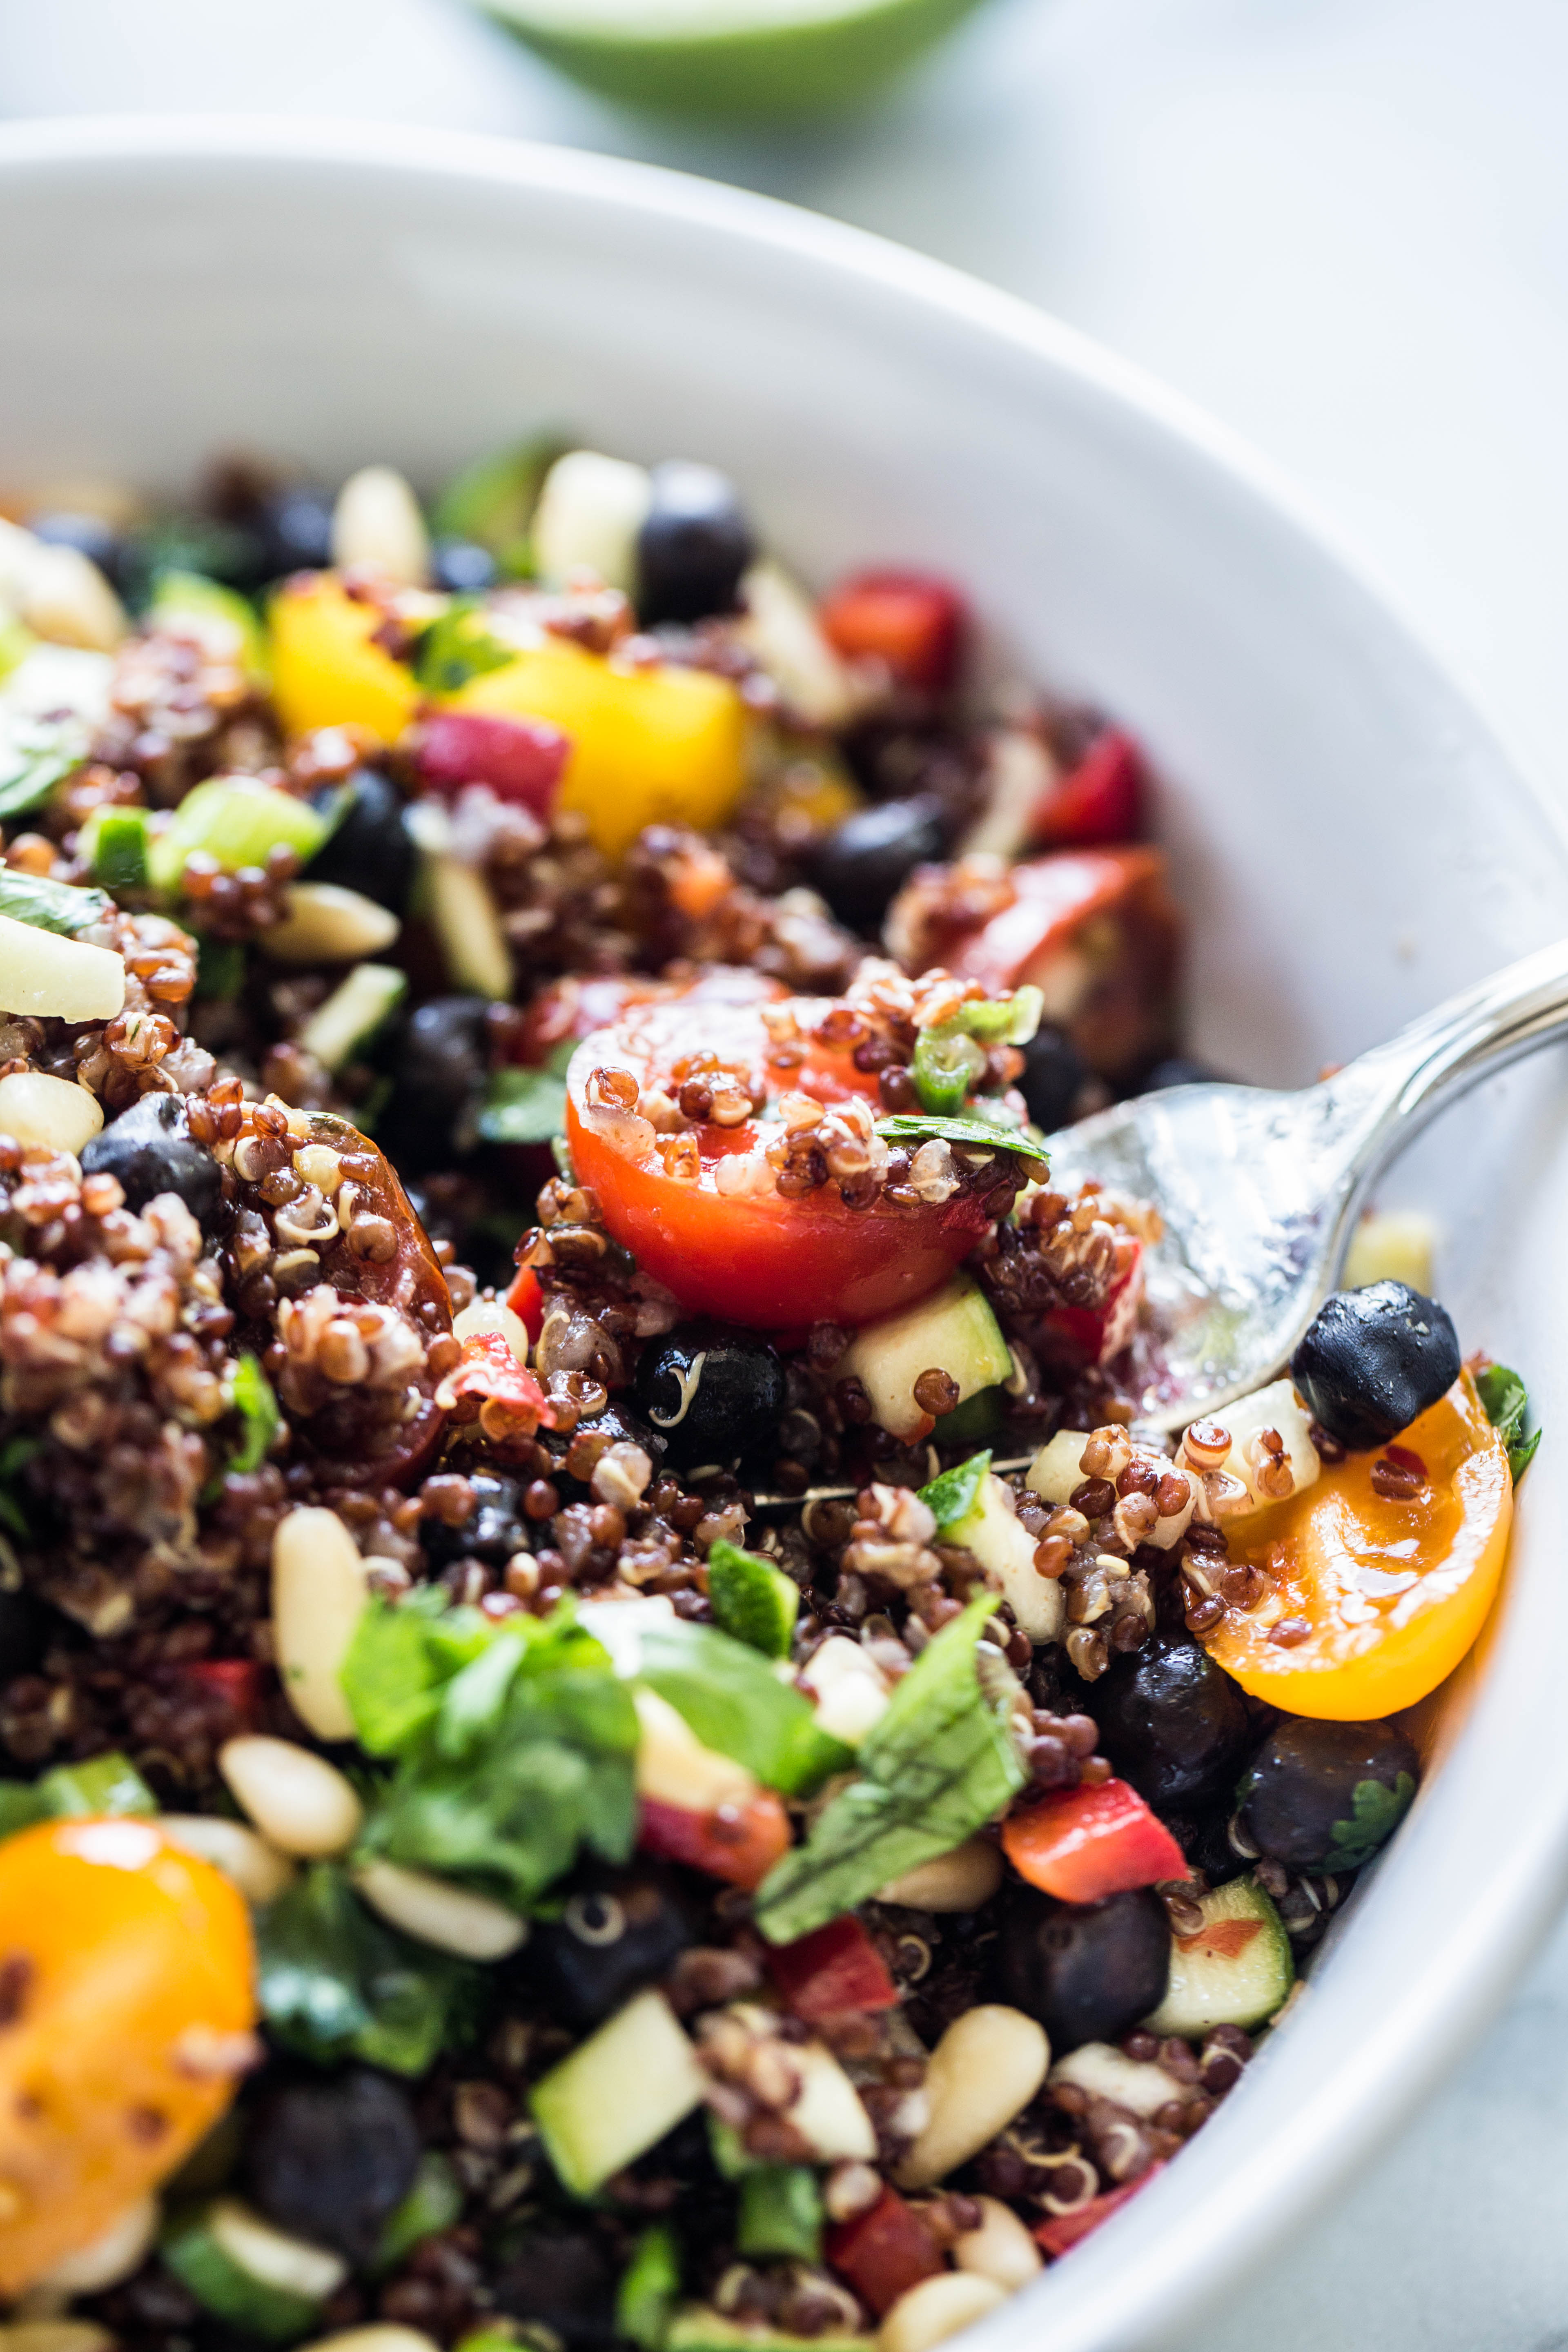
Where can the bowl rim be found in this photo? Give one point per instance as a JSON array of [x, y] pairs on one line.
[[1102, 2302]]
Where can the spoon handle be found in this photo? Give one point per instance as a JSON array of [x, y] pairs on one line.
[[1398, 1087]]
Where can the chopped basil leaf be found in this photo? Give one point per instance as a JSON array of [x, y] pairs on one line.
[[950, 1497], [335, 1983], [514, 1744], [918, 1126], [458, 646], [1376, 1812], [36, 754], [258, 1407], [939, 1764], [1507, 1403], [753, 1600], [524, 1107], [50, 906]]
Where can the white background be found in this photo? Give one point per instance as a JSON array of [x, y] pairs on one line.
[[1343, 225]]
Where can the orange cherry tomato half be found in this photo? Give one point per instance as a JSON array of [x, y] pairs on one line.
[[126, 2008], [701, 1208], [1378, 1598]]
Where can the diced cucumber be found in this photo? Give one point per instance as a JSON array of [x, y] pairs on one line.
[[698, 2328], [650, 2285], [781, 2212], [249, 2274], [237, 821], [357, 1008], [114, 842], [751, 1600], [459, 906], [618, 2092], [993, 1532], [220, 619], [1058, 1468], [726, 2148], [1236, 1970], [951, 1331], [973, 1423], [105, 1784], [433, 2204], [1275, 1407]]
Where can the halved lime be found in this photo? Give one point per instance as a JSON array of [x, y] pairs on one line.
[[755, 57]]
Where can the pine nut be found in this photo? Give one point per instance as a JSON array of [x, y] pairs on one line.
[[591, 508], [984, 2070], [674, 1768], [55, 1113], [113, 2255], [319, 1594], [299, 1802], [1000, 2250], [258, 1870], [960, 1881], [433, 1912], [491, 1315], [327, 924], [1106, 2073], [384, 2337], [67, 600], [376, 521], [929, 2314]]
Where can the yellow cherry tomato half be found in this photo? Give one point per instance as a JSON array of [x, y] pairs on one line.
[[326, 669], [126, 2007], [1373, 1597]]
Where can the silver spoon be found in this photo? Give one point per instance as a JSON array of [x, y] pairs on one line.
[[1259, 1190]]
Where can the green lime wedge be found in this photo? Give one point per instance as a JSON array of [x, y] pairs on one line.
[[737, 58]]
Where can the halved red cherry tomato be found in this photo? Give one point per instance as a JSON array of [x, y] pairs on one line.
[[738, 1844], [571, 1009], [884, 2252], [839, 1967], [521, 760], [721, 1236], [488, 1385], [1080, 1843], [1099, 800], [911, 623], [526, 1301], [1370, 1601], [1065, 2230]]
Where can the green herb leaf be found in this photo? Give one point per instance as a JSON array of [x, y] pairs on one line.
[[917, 1127], [945, 1067], [36, 754], [940, 1762], [50, 906], [780, 2213], [14, 1455], [431, 2205], [1507, 1403], [524, 1107], [515, 1745], [220, 969], [21, 1808], [1377, 1812], [650, 2285], [753, 1600], [728, 1695], [950, 1497], [258, 1407], [458, 646], [335, 1983], [492, 501]]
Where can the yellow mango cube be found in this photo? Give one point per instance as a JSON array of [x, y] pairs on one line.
[[326, 672]]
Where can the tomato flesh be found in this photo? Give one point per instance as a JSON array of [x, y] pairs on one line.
[[884, 2252], [911, 622], [1065, 2230], [738, 1844], [1081, 1844], [1100, 800], [1377, 1598], [521, 760], [839, 1967], [729, 1244]]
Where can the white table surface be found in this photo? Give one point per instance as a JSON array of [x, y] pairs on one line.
[[1343, 225]]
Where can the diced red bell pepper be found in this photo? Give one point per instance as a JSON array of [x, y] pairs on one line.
[[884, 2252], [1080, 1843], [839, 1967], [521, 760], [913, 624], [1065, 2230], [738, 1844], [1100, 800], [527, 1302], [1094, 1334], [236, 1681], [489, 1386]]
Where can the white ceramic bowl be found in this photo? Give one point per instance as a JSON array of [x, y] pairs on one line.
[[1349, 839]]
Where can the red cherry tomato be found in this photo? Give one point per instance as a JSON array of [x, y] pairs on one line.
[[837, 1968], [1065, 2230], [884, 2252], [912, 624], [1081, 1844], [1100, 800], [738, 1844], [571, 1009], [721, 1236], [521, 760], [527, 1302]]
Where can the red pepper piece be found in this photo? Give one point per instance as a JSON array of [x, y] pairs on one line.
[[738, 1844], [1065, 2230], [884, 2252], [521, 760], [489, 1386], [911, 623], [527, 1302], [1080, 1843], [837, 1968], [1100, 800], [236, 1681]]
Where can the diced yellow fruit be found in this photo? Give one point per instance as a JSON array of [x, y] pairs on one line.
[[1395, 1246], [661, 746], [325, 670]]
